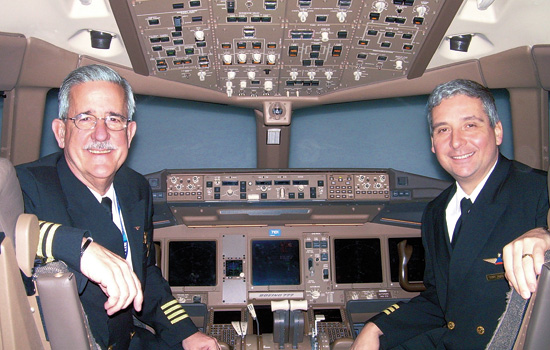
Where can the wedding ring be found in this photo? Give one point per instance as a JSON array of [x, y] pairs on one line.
[[527, 255]]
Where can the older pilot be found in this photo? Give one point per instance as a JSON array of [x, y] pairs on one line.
[[105, 210]]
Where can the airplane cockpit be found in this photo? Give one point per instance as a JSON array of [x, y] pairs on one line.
[[285, 141]]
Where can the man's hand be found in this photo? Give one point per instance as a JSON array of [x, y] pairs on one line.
[[115, 277], [523, 259], [200, 341], [368, 339]]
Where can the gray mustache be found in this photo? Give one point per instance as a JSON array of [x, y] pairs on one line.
[[105, 145]]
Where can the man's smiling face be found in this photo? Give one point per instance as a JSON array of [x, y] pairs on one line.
[[95, 155], [463, 140]]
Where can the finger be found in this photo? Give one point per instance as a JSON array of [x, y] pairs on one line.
[[519, 272], [126, 287], [118, 291], [534, 267], [138, 299], [113, 303], [538, 258], [509, 257], [521, 283], [131, 281], [112, 292], [529, 272]]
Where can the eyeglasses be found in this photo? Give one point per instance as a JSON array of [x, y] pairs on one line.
[[85, 121]]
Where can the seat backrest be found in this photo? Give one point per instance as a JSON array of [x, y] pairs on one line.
[[18, 329], [18, 326], [536, 333], [11, 199], [526, 324]]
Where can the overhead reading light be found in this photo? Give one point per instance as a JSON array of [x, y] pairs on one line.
[[101, 40], [460, 42]]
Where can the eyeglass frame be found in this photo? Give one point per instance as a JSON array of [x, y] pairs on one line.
[[80, 115]]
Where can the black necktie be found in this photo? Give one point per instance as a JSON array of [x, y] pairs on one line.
[[108, 205], [465, 205]]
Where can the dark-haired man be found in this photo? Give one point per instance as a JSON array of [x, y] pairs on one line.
[[465, 286]]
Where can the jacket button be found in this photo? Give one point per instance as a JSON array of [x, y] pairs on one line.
[[480, 330], [451, 325]]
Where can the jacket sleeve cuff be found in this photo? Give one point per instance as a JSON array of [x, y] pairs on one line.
[[183, 330], [59, 242]]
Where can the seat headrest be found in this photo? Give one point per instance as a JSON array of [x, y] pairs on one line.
[[27, 235]]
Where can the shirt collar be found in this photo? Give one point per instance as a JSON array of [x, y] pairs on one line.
[[110, 193], [461, 194]]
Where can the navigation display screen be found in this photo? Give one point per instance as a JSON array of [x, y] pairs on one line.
[[275, 262], [358, 260], [192, 263]]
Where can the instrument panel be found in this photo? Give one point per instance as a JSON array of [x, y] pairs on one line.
[[350, 271], [288, 245], [278, 186]]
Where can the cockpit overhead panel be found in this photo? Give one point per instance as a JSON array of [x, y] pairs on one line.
[[282, 48]]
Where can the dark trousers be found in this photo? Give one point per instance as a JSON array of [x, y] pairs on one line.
[[143, 339]]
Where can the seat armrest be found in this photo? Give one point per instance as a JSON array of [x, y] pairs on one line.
[[62, 311]]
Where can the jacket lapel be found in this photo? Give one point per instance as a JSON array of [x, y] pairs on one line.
[[442, 242], [133, 211], [442, 245], [87, 213], [480, 223]]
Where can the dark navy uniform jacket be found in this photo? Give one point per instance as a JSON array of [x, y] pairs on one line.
[[54, 194], [466, 295]]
